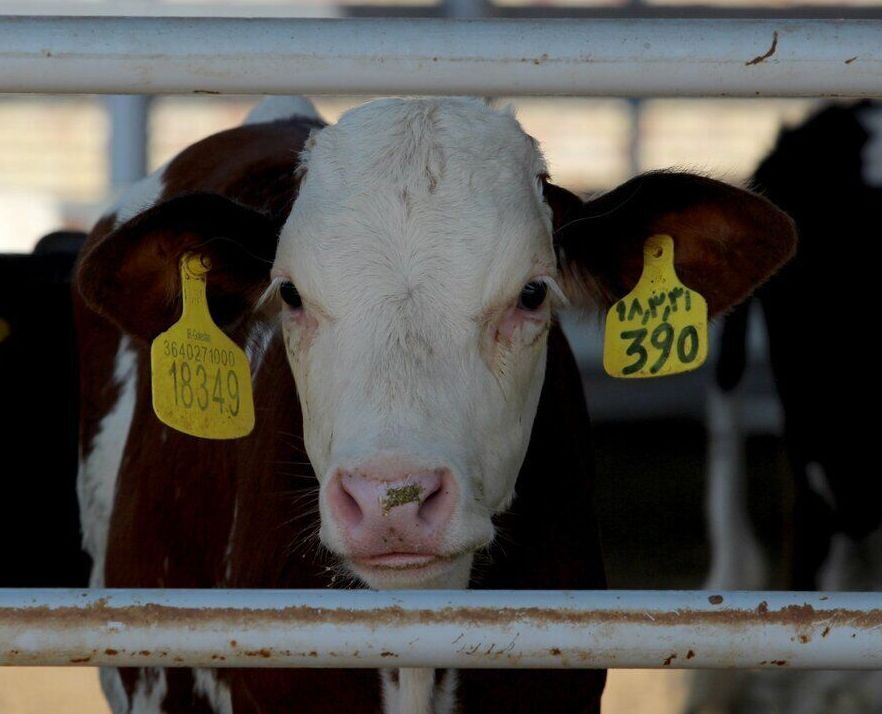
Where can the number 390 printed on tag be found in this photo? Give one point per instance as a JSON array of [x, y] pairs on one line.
[[201, 379], [660, 327]]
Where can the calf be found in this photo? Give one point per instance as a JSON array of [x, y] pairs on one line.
[[393, 279], [827, 174]]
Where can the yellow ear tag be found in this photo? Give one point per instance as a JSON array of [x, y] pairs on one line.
[[660, 327], [201, 380]]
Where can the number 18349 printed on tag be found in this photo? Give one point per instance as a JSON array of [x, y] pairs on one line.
[[200, 378]]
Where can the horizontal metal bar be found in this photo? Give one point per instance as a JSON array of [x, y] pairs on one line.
[[463, 629], [631, 11], [320, 8], [485, 57]]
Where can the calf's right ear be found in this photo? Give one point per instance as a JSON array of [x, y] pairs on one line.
[[132, 275]]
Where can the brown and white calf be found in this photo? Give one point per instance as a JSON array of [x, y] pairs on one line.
[[393, 279]]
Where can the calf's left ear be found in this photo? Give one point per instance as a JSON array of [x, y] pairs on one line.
[[727, 241]]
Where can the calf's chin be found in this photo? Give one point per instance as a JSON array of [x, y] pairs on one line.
[[440, 574]]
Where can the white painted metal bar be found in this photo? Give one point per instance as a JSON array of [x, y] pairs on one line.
[[467, 629], [632, 58]]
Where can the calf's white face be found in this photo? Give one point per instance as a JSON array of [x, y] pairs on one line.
[[417, 270]]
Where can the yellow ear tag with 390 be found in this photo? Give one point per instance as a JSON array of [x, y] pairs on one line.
[[660, 327], [201, 379]]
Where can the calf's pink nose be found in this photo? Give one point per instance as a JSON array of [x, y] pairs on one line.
[[390, 511]]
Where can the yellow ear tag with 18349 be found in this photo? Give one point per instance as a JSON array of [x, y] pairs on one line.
[[660, 327], [201, 379]]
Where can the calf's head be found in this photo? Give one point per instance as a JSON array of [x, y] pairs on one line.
[[414, 283]]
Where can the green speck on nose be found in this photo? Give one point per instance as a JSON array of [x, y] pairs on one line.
[[399, 496]]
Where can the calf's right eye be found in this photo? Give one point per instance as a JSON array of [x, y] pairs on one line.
[[289, 294], [533, 295]]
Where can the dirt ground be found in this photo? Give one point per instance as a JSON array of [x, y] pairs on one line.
[[60, 690]]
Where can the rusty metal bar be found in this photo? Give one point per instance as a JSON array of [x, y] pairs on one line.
[[535, 629], [633, 58]]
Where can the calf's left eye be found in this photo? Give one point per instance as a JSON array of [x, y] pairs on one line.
[[533, 295]]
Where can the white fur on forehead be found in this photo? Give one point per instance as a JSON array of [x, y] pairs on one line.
[[456, 138], [433, 202]]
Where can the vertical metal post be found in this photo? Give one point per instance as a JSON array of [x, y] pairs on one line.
[[468, 9], [128, 138], [635, 115]]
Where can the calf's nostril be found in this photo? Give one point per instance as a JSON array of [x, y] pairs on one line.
[[432, 504], [349, 507]]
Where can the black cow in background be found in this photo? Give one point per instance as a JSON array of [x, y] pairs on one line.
[[819, 313], [39, 517]]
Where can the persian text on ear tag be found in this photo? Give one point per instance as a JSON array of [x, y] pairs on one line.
[[660, 327], [201, 379]]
